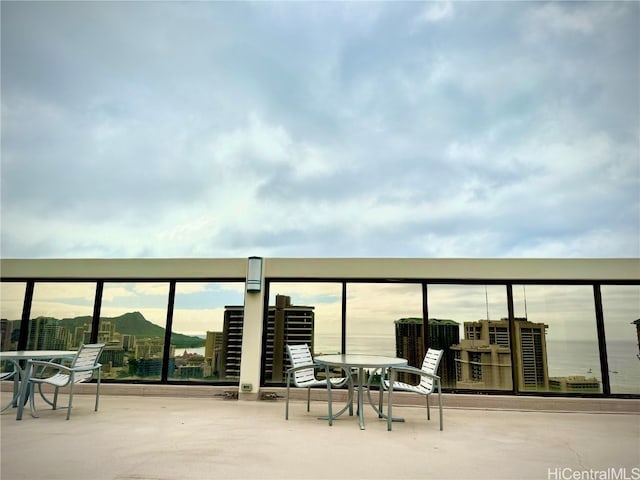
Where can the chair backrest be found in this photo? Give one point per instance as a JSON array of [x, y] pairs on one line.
[[300, 355], [430, 365], [87, 356]]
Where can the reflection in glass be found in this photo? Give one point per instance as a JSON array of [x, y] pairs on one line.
[[300, 313], [11, 302], [132, 324], [61, 315], [558, 343], [469, 322], [202, 330], [621, 309], [326, 301], [372, 312]]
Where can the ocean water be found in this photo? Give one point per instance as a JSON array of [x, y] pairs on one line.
[[564, 358], [583, 358]]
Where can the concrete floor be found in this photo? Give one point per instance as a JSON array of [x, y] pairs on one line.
[[173, 438]]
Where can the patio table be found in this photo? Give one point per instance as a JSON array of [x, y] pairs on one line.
[[359, 362]]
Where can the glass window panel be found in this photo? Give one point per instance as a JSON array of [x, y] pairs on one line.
[[11, 302], [60, 313], [200, 335], [133, 318], [558, 342], [381, 320], [372, 312], [621, 308], [300, 312], [470, 323]]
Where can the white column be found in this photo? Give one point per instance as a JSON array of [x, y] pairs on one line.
[[252, 341]]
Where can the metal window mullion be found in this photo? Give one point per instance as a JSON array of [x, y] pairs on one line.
[[23, 338], [602, 341], [97, 304], [343, 320], [167, 333]]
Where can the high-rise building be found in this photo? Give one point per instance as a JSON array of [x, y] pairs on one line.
[[151, 348], [6, 330], [45, 333], [128, 342], [232, 341], [411, 344], [213, 348], [483, 357], [286, 324], [531, 355], [81, 334]]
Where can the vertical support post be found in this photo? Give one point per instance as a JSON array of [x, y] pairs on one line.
[[252, 334], [343, 340], [513, 344], [602, 341], [425, 320], [282, 301], [329, 399]]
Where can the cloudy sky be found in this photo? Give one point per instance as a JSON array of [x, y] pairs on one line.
[[333, 129]]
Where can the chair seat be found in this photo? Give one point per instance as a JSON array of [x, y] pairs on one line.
[[58, 380], [320, 383]]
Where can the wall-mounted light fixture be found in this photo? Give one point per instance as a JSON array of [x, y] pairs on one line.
[[254, 274]]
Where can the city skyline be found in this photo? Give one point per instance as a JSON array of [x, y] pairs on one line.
[[200, 306], [477, 354]]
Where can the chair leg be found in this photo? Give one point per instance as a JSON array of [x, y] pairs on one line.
[[70, 400], [440, 404], [32, 400], [350, 391], [97, 391], [308, 399], [55, 398], [286, 408], [428, 409], [381, 393], [329, 396], [390, 400]]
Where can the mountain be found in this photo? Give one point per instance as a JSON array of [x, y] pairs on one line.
[[134, 323]]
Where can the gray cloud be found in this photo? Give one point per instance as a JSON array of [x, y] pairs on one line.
[[340, 129]]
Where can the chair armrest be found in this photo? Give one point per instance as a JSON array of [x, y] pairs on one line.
[[415, 371], [43, 363], [59, 366], [304, 367], [317, 366]]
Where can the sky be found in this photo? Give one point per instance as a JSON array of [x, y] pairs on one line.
[[320, 129]]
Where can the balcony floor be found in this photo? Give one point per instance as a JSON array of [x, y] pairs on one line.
[[142, 437]]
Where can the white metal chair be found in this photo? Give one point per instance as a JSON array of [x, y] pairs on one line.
[[82, 369], [12, 375], [303, 372], [429, 382]]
